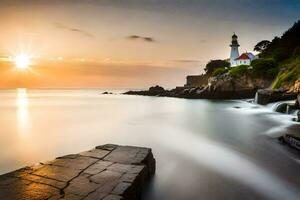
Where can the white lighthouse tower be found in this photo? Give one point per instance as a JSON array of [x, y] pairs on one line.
[[234, 50]]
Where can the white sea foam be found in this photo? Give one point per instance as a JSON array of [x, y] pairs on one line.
[[232, 164], [284, 121]]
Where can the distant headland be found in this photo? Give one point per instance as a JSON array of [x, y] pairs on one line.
[[276, 69]]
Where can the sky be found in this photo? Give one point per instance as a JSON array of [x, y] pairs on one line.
[[129, 43]]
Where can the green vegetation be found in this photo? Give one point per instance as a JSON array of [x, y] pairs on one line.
[[289, 75], [239, 70], [265, 67], [280, 59], [215, 64], [219, 71], [261, 46], [284, 47], [296, 53]]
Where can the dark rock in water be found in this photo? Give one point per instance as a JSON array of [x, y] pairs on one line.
[[291, 140], [107, 93], [298, 115], [286, 108], [106, 172], [291, 108], [281, 139], [265, 96], [153, 91], [297, 103], [156, 88], [195, 93], [282, 108]]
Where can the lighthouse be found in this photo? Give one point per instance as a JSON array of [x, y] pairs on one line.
[[234, 50]]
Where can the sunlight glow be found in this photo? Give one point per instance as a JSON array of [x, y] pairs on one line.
[[22, 61]]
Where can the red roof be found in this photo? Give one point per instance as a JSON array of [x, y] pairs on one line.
[[244, 56]]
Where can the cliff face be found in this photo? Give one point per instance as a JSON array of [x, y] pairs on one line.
[[196, 80], [245, 82], [295, 88]]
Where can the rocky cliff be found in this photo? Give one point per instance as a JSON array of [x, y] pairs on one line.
[[294, 88], [244, 82], [196, 80], [224, 86]]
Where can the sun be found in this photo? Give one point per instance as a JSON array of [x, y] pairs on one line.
[[22, 61]]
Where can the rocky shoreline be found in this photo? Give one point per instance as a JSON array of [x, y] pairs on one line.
[[108, 172], [265, 96], [262, 96], [195, 93]]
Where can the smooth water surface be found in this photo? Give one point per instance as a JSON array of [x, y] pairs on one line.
[[204, 149]]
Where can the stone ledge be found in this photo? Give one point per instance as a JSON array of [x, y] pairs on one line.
[[106, 172]]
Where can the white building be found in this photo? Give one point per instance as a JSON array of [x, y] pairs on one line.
[[244, 59], [234, 54], [235, 58]]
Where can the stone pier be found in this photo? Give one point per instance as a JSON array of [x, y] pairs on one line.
[[108, 172]]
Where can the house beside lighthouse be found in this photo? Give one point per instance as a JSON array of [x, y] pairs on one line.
[[235, 58]]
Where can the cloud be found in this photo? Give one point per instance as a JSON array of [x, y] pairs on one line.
[[187, 61], [142, 38], [72, 29]]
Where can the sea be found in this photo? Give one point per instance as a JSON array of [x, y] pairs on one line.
[[204, 149]]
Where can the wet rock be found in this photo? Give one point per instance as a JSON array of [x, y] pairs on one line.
[[21, 189], [266, 96], [44, 180], [113, 197], [108, 147], [79, 163], [81, 186], [292, 140], [106, 177], [106, 172], [107, 93], [98, 167], [128, 155], [156, 89], [199, 93], [282, 108], [95, 153], [297, 102], [57, 173], [152, 91]]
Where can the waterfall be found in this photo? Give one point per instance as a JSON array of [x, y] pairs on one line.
[[286, 107], [255, 98]]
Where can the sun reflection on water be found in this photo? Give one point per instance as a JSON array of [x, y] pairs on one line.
[[22, 110]]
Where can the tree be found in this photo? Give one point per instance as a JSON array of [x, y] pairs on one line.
[[265, 67], [219, 71], [239, 70], [262, 45], [215, 64]]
